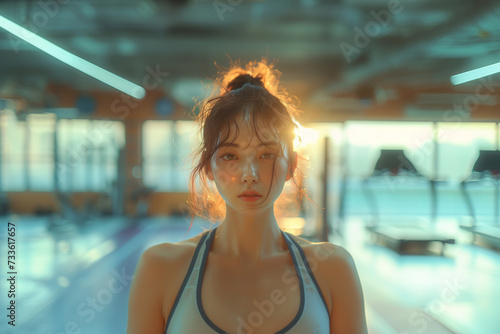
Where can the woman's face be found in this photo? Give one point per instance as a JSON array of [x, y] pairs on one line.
[[246, 164]]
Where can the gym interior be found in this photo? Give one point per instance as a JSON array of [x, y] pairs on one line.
[[401, 102]]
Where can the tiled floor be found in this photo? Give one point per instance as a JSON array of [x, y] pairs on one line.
[[64, 278]]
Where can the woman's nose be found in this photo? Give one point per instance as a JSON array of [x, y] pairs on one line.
[[249, 173]]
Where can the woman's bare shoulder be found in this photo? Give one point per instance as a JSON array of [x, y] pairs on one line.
[[315, 246], [171, 252], [330, 254], [156, 281]]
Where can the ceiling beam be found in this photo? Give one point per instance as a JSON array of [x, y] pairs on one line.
[[415, 48]]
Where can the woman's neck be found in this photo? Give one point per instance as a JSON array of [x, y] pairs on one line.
[[250, 239]]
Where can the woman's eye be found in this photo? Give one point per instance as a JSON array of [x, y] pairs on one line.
[[225, 155], [270, 155], [266, 156]]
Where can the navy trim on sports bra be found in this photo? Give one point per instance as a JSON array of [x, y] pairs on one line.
[[202, 269], [186, 278], [309, 270]]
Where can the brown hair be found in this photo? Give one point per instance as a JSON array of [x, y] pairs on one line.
[[253, 91]]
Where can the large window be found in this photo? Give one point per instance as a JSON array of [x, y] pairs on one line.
[[13, 157], [27, 159], [40, 148], [87, 153], [459, 146], [366, 139], [445, 151], [400, 195], [167, 148]]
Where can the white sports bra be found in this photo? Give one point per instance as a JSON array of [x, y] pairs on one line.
[[187, 315]]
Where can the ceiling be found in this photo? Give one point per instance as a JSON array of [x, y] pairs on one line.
[[325, 49]]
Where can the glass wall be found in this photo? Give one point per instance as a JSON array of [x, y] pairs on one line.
[[459, 146], [364, 140], [167, 148], [87, 152], [13, 157], [40, 149], [441, 151]]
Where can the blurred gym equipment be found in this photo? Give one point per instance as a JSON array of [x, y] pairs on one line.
[[486, 171], [402, 237]]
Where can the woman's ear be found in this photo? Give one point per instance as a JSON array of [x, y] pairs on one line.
[[210, 175], [291, 166], [208, 168]]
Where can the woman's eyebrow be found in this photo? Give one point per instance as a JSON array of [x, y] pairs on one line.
[[261, 144]]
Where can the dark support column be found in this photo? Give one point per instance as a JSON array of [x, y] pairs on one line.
[[69, 174], [1, 118], [434, 175], [56, 157], [130, 157], [496, 178], [343, 179], [26, 155], [89, 158], [324, 180], [121, 177]]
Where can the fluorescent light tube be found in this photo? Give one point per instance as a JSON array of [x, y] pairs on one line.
[[66, 57], [457, 79]]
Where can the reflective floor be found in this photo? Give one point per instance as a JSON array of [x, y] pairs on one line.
[[454, 293], [77, 281]]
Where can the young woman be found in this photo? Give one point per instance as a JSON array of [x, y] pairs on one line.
[[245, 276]]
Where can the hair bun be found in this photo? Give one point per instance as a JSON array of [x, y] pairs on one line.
[[245, 79]]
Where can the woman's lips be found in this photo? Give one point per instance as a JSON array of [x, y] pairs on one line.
[[250, 198]]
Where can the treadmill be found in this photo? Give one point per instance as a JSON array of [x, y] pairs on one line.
[[486, 171], [404, 238]]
